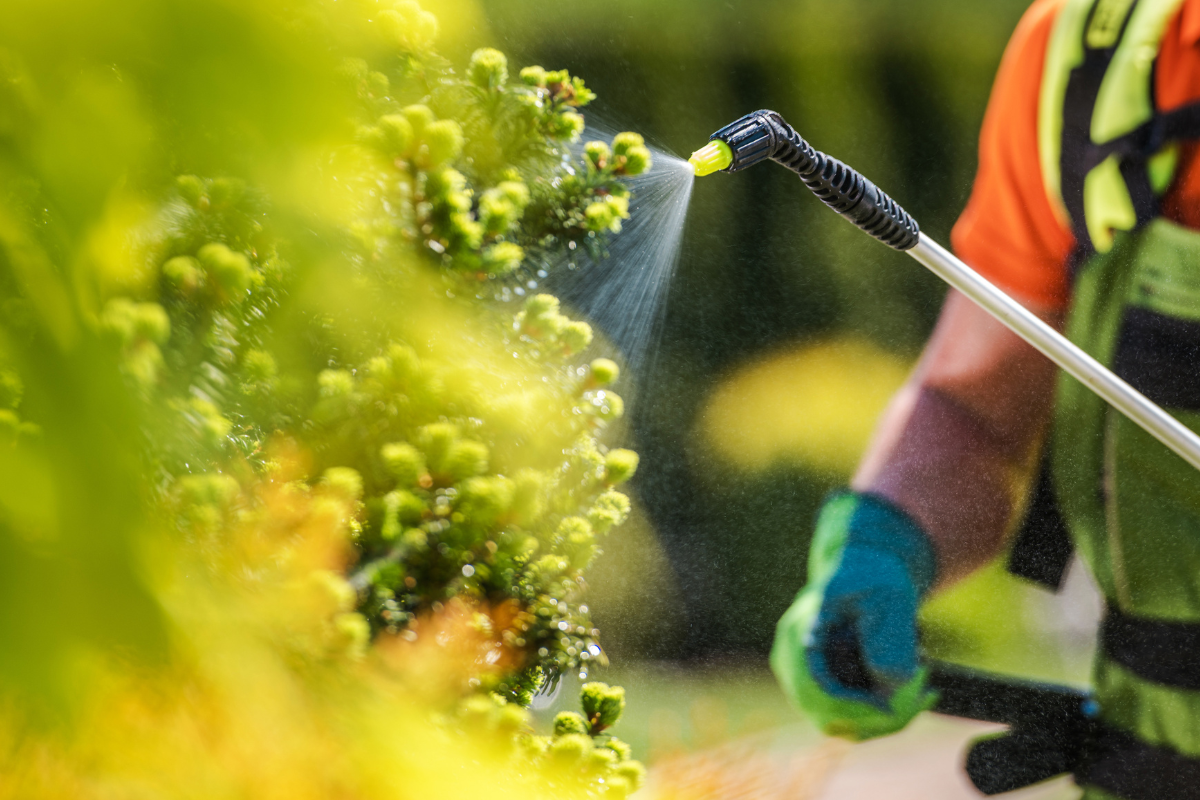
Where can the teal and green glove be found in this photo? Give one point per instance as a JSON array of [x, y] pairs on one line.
[[868, 568]]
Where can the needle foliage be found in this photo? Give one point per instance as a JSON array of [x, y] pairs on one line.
[[260, 401]]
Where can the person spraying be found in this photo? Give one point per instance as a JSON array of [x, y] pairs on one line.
[[1086, 208]]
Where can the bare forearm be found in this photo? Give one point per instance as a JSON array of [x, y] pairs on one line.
[[957, 478], [957, 444]]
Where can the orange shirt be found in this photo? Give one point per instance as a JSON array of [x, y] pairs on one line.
[[1009, 231]]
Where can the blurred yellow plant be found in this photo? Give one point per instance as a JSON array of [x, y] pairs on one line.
[[814, 405], [256, 416], [267, 689]]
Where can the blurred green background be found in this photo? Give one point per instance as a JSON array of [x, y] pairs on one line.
[[780, 314]]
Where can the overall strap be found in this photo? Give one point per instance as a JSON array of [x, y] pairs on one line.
[[1104, 149], [1080, 155]]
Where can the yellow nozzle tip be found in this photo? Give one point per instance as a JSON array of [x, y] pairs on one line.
[[713, 157]]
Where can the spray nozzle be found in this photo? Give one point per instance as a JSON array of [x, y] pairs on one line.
[[713, 157], [765, 135]]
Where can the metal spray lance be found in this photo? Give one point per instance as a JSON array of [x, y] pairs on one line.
[[765, 135]]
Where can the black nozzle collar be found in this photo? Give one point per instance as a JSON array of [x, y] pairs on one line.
[[764, 134]]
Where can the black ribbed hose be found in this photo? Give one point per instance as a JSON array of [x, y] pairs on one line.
[[764, 134]]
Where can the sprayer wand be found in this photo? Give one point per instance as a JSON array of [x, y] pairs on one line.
[[765, 135]]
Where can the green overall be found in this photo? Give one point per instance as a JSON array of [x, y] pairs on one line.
[[1132, 507]]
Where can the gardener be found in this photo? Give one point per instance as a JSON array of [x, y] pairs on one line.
[[1086, 207]]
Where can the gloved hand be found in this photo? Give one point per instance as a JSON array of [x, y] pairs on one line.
[[869, 566]]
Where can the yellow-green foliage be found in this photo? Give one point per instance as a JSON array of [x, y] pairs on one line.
[[277, 490]]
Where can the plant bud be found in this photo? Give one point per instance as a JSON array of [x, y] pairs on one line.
[[533, 746], [633, 772], [567, 751], [496, 213], [427, 26], [184, 274], [485, 500], [598, 154], [117, 320], [435, 440], [618, 788], [406, 365], [353, 68], [624, 142], [379, 369], [502, 206], [229, 270], [567, 126], [576, 337], [583, 550], [600, 216], [609, 510], [602, 705], [502, 258], [572, 526], [620, 466], [408, 26], [534, 76], [601, 760], [444, 141], [409, 509], [612, 407], [581, 95], [210, 489], [604, 372], [419, 117], [415, 540], [397, 133], [488, 69], [568, 722], [549, 568], [624, 751], [541, 305], [378, 84], [192, 189], [637, 161], [335, 383], [619, 204], [466, 459], [515, 191], [511, 719], [151, 323], [259, 366], [344, 482], [404, 463]]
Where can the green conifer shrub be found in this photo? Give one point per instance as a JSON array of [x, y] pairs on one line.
[[459, 440]]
